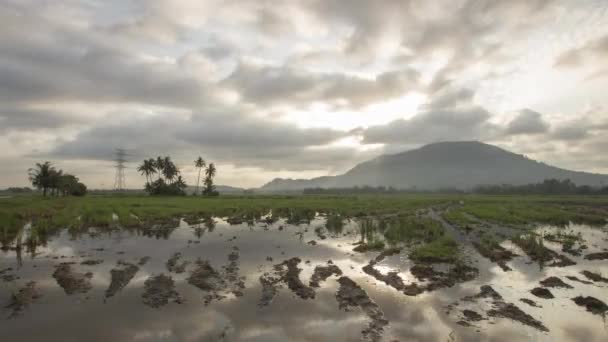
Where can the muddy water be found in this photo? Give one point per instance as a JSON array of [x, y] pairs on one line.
[[242, 283]]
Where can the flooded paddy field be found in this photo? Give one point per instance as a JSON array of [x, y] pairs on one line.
[[371, 269]]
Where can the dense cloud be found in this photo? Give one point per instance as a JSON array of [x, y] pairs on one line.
[[527, 122], [224, 79]]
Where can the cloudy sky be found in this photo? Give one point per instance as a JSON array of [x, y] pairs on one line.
[[288, 88]]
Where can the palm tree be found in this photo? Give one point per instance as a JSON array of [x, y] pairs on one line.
[[180, 183], [211, 170], [210, 173], [41, 176], [199, 164], [56, 176], [147, 168], [160, 165], [170, 171]]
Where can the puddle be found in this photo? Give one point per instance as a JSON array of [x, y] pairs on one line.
[[261, 280]]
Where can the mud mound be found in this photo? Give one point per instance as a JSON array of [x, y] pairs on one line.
[[497, 254], [573, 278], [159, 290], [458, 273], [218, 285], [542, 292], [231, 274], [543, 255], [92, 262], [174, 265], [597, 256], [288, 273], [530, 302], [121, 276], [594, 276], [321, 274], [352, 295], [592, 304], [471, 316], [22, 299], [554, 282], [292, 278], [72, 282], [510, 311], [502, 309], [207, 279]]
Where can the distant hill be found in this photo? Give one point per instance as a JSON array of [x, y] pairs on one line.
[[222, 189], [459, 165]]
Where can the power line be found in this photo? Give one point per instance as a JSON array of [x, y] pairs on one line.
[[120, 158]]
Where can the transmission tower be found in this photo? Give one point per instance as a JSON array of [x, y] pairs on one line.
[[120, 158]]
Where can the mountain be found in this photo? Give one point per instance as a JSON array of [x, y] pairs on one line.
[[460, 165]]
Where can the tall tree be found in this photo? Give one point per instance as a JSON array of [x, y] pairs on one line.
[[199, 164], [147, 168], [159, 164], [210, 173], [41, 176], [170, 170]]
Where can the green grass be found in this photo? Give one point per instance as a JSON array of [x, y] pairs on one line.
[[48, 215], [443, 249], [412, 228]]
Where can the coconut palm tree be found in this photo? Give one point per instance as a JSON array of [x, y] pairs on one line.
[[41, 176], [199, 164], [210, 173], [159, 164], [147, 168], [170, 171], [211, 170]]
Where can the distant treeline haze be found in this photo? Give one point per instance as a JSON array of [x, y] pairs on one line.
[[547, 187]]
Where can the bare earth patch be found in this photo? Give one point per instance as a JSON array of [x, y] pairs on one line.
[[159, 290], [72, 282]]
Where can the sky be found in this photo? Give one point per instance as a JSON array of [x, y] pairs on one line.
[[296, 89]]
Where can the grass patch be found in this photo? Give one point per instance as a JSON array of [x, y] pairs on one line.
[[412, 228], [443, 249]]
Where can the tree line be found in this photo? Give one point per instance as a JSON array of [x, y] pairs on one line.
[[547, 187], [45, 177], [169, 180]]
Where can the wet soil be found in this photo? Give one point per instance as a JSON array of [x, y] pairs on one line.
[[555, 282], [321, 273], [159, 290], [236, 283], [510, 311], [457, 273], [574, 278], [71, 281], [92, 262], [121, 276], [597, 256], [292, 278], [594, 276], [471, 316], [545, 256], [502, 309], [542, 292], [23, 299], [530, 302], [497, 254], [352, 295], [592, 304], [174, 264], [206, 278]]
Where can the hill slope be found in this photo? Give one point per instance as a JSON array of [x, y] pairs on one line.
[[461, 165]]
